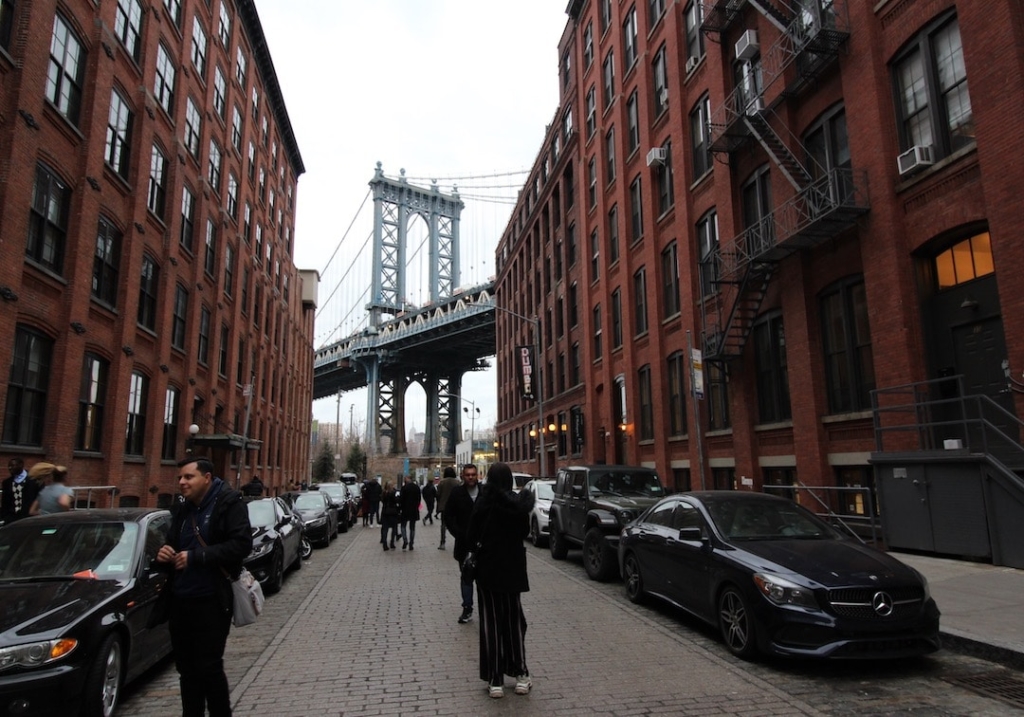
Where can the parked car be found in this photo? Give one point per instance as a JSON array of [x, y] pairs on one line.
[[356, 490], [775, 579], [319, 518], [340, 498], [519, 480], [592, 504], [542, 494], [276, 541], [78, 590]]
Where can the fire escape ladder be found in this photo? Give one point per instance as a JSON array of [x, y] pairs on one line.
[[792, 169], [718, 15], [778, 12], [731, 336]]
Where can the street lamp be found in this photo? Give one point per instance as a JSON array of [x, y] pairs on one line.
[[193, 431], [472, 419]]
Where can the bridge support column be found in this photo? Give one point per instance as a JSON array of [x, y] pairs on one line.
[[442, 420], [392, 412]]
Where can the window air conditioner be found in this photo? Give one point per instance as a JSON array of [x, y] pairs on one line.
[[663, 97], [691, 64], [656, 156], [914, 159], [755, 105], [746, 46]]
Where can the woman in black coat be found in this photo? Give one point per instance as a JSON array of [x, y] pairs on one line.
[[389, 515], [499, 523]]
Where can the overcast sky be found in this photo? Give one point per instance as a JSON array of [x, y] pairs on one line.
[[441, 88]]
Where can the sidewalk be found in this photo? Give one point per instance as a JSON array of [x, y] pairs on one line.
[[982, 606]]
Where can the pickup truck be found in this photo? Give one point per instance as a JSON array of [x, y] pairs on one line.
[[591, 506]]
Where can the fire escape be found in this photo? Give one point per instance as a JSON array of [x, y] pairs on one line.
[[825, 201]]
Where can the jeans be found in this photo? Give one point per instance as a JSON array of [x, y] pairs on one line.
[[467, 594], [199, 631], [388, 522], [412, 531]]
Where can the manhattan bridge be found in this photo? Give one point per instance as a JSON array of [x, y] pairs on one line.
[[399, 314]]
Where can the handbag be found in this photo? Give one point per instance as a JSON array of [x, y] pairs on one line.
[[246, 591], [469, 565]]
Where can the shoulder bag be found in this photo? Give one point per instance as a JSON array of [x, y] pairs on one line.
[[246, 591]]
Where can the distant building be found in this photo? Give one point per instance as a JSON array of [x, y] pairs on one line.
[[148, 204]]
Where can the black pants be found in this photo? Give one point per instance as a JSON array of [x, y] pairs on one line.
[[199, 631], [429, 518]]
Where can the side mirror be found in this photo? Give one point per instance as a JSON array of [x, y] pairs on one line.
[[690, 534], [577, 491]]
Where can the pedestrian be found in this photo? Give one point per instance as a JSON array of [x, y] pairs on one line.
[[457, 511], [499, 523], [374, 491], [389, 516], [447, 485], [17, 492], [429, 497], [55, 497], [364, 504], [254, 487], [208, 539], [409, 503]]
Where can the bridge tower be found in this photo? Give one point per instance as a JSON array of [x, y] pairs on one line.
[[395, 204]]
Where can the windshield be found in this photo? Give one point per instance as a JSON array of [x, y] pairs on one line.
[[545, 491], [309, 501], [625, 483], [335, 491], [767, 520], [85, 550], [261, 514]]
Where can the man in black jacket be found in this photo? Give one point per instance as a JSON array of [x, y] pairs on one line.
[[208, 539], [456, 519], [409, 504]]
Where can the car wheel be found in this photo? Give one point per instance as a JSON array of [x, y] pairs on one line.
[[597, 558], [103, 683], [306, 548], [535, 537], [736, 623], [276, 579], [633, 579], [559, 549]]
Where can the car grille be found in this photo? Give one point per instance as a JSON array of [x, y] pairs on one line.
[[858, 602]]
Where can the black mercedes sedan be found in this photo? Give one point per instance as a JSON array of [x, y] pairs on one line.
[[319, 518], [777, 580], [276, 541], [77, 590]]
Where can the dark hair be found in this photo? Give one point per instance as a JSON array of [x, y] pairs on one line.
[[499, 477], [203, 465], [449, 472], [469, 465]]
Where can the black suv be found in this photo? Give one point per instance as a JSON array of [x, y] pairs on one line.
[[591, 506]]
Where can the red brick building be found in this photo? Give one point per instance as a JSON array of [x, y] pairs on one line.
[[147, 199], [819, 195]]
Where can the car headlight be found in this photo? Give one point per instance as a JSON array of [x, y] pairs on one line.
[[624, 516], [784, 592], [35, 654], [261, 549], [316, 522], [544, 511]]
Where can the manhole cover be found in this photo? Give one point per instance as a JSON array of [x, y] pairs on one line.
[[1000, 685]]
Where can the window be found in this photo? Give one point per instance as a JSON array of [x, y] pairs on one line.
[[180, 318], [219, 92], [135, 435], [606, 15], [262, 184], [119, 126], [933, 107], [659, 70], [210, 248], [163, 82], [828, 149], [663, 177], [694, 37], [92, 397], [27, 388], [203, 352], [247, 223], [146, 315], [236, 128], [193, 127], [240, 66], [229, 269], [566, 69], [257, 255], [66, 70], [717, 392], [199, 47], [609, 78], [609, 155], [263, 130], [591, 111], [964, 261], [595, 256], [617, 319], [47, 220], [255, 103], [656, 8], [700, 139], [670, 279], [106, 262], [636, 215], [224, 30], [633, 121], [613, 234], [215, 166], [222, 363], [157, 196], [846, 343], [707, 253], [772, 369], [174, 10], [240, 363], [232, 205], [169, 445], [588, 46], [252, 161], [573, 302], [188, 210], [567, 124], [629, 39], [597, 329], [646, 404], [127, 22], [245, 289], [592, 182], [677, 394], [640, 301]]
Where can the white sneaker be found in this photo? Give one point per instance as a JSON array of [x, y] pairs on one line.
[[496, 691], [523, 685]]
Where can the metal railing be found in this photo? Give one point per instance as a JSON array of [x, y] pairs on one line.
[[88, 491], [868, 522]]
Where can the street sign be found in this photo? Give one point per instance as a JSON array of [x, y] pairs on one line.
[[697, 373]]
